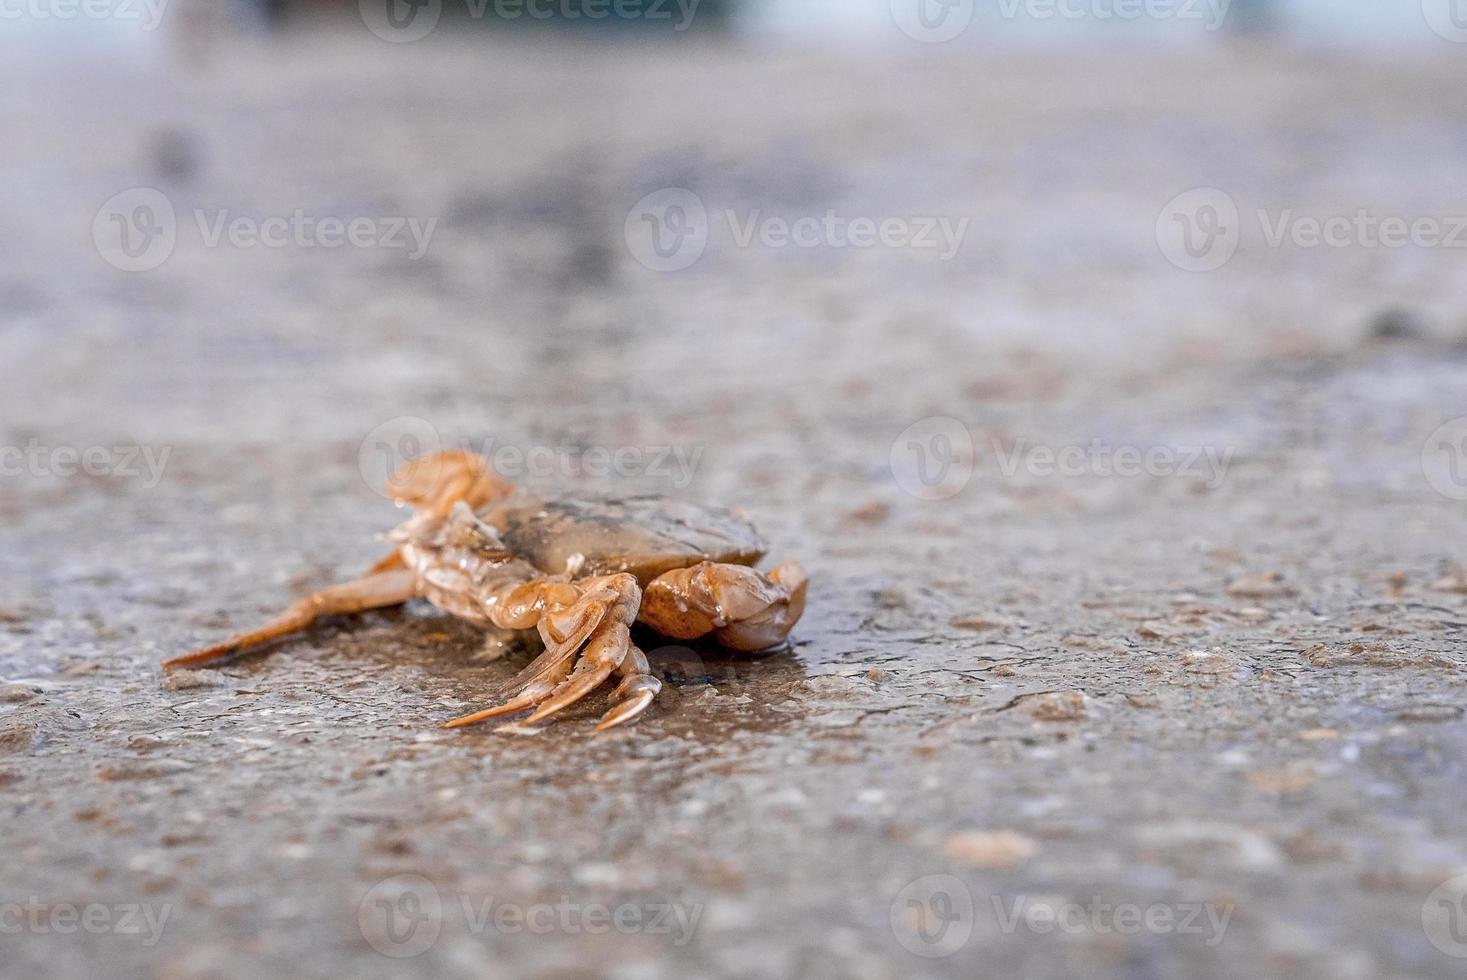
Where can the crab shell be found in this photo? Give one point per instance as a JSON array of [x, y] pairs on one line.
[[645, 536]]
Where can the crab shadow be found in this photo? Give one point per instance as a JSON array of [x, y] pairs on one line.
[[702, 681]]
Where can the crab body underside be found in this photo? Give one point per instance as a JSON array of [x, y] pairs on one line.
[[580, 572]]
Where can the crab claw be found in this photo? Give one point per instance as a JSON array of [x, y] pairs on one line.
[[435, 482], [743, 609]]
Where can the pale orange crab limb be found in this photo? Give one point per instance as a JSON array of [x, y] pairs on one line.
[[604, 653], [522, 606], [594, 625], [540, 679], [529, 696], [372, 592], [635, 692], [742, 608], [433, 484], [387, 564]]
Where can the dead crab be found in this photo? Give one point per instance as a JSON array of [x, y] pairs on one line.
[[580, 571]]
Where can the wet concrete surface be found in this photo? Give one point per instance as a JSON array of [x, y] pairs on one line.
[[1228, 700]]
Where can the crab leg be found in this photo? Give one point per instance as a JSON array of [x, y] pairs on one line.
[[635, 692], [603, 655], [372, 592], [521, 605], [529, 696], [432, 484], [743, 609], [597, 625]]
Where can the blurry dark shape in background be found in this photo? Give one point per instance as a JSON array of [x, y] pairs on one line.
[[1313, 22], [1397, 323], [1254, 16], [175, 154], [667, 16]]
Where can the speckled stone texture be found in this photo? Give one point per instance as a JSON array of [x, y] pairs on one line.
[[1232, 706]]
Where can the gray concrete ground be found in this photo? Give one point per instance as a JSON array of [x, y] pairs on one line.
[[1204, 721]]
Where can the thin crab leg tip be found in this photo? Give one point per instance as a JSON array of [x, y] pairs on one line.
[[571, 692], [199, 657], [230, 647], [508, 708], [527, 697], [625, 712], [223, 651]]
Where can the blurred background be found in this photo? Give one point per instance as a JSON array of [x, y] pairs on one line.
[[1390, 21], [1056, 141], [863, 268]]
